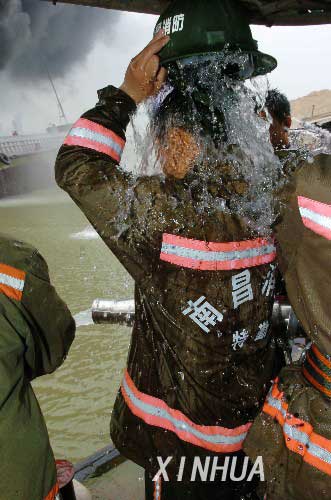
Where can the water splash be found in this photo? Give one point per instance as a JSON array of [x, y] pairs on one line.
[[139, 156], [87, 234], [221, 114], [314, 139], [84, 318]]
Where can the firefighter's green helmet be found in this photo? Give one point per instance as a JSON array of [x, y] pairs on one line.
[[207, 27]]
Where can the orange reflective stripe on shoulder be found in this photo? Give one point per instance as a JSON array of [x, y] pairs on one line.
[[299, 435], [12, 281], [52, 494]]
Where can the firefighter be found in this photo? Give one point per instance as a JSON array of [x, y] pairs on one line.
[[279, 109], [201, 355], [36, 332], [293, 431]]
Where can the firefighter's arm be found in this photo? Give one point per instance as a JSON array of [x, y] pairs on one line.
[[305, 248], [88, 161], [51, 327], [87, 165]]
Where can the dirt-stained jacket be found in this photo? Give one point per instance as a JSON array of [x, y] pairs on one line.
[[201, 354], [36, 331], [293, 433]]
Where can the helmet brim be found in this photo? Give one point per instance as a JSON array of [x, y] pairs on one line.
[[261, 63]]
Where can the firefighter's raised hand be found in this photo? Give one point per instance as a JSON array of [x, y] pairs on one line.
[[144, 76]]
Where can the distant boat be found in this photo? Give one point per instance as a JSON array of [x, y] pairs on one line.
[[26, 161]]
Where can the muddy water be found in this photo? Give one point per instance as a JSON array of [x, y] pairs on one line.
[[76, 400]]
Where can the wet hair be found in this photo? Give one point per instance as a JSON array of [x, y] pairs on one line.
[[200, 92], [191, 112], [175, 110], [278, 105]]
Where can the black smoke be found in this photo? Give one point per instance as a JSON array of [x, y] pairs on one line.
[[35, 34]]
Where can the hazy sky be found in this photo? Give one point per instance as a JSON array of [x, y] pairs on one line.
[[303, 54]]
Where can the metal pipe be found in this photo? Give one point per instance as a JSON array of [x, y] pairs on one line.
[[99, 462], [122, 312], [113, 311], [281, 313]]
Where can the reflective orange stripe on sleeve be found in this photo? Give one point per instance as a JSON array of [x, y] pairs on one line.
[[52, 494], [91, 135], [316, 216], [153, 411], [315, 383], [12, 281], [216, 256], [299, 435], [326, 361], [317, 370]]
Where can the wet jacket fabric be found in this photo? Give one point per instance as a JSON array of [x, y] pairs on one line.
[[36, 330], [201, 355], [293, 433]]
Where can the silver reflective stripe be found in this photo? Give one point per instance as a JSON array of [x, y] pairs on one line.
[[158, 489], [217, 256], [178, 424], [7, 280], [85, 133], [302, 437], [320, 453], [275, 403], [321, 220], [294, 433]]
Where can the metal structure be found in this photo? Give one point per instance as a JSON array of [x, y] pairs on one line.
[[97, 463], [59, 104], [113, 311], [267, 12], [320, 119], [15, 146]]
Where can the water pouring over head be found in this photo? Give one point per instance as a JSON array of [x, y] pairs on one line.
[[210, 51], [207, 121]]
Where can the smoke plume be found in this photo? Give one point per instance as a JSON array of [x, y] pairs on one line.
[[34, 34]]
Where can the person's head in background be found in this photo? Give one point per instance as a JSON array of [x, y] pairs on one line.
[[280, 111]]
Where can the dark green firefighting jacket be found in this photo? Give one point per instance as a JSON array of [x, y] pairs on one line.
[[201, 355], [293, 432], [36, 331]]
